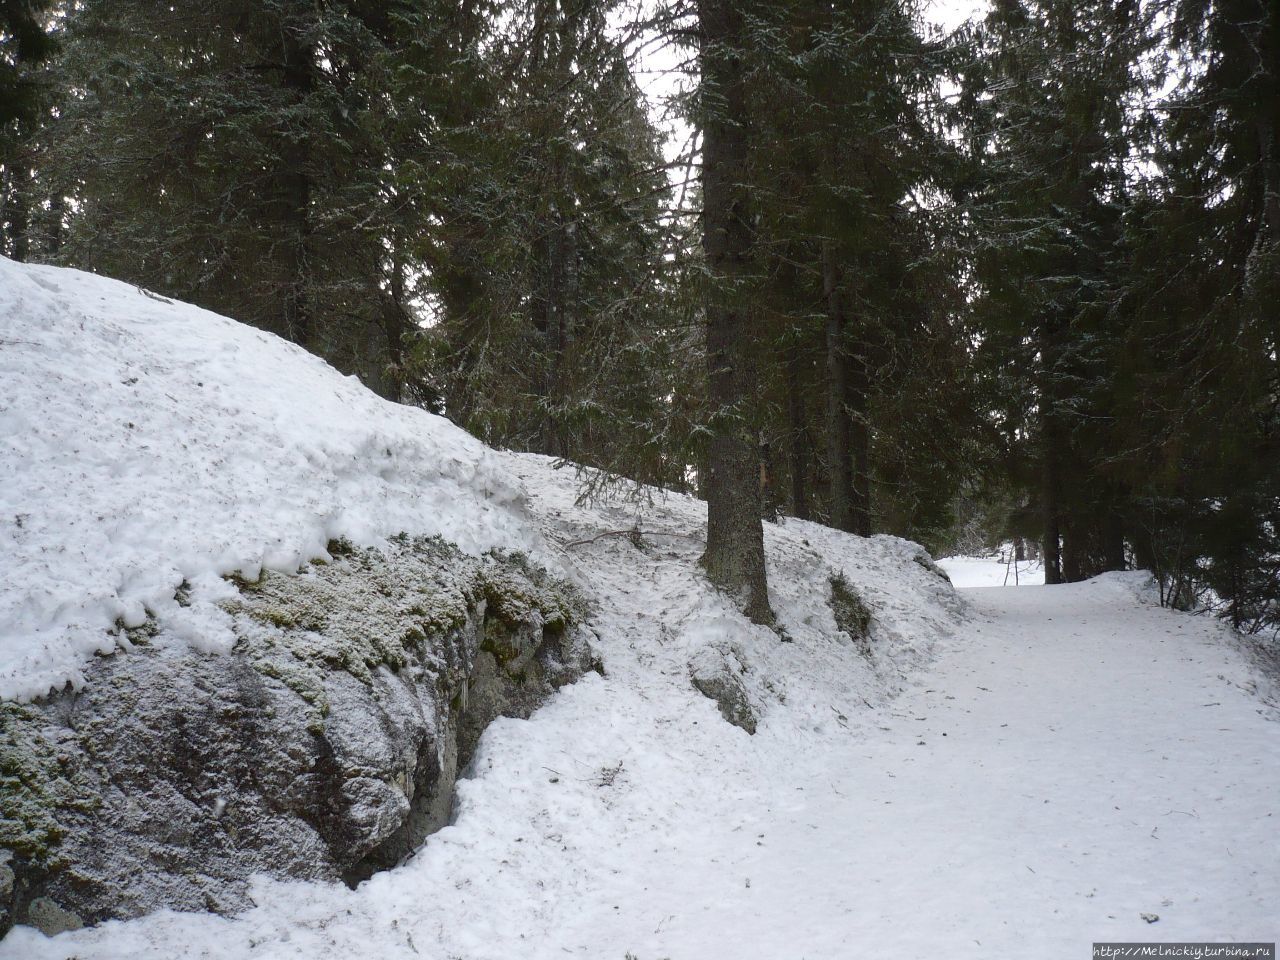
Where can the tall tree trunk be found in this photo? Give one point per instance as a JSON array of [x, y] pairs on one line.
[[561, 293], [856, 404], [839, 421], [395, 322], [1052, 534], [1051, 454], [298, 55], [798, 438], [54, 238], [552, 328], [1073, 559], [560, 23], [734, 558], [19, 207], [1113, 541]]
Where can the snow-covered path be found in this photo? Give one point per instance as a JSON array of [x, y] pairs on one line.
[[1072, 762], [1076, 761], [1066, 761]]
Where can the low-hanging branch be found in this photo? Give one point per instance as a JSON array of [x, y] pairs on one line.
[[637, 534]]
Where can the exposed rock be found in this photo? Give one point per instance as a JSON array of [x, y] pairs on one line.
[[851, 613], [326, 746], [924, 560], [716, 678]]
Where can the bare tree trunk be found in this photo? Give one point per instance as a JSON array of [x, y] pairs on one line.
[[54, 237], [839, 421], [1072, 557], [19, 207], [1113, 541], [298, 56], [856, 406], [1052, 535], [797, 436], [395, 323], [734, 558], [1051, 453], [560, 24]]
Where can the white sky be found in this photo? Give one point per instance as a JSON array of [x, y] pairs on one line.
[[951, 13]]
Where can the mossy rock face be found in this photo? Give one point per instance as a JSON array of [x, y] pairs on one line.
[[36, 783], [325, 746], [852, 615]]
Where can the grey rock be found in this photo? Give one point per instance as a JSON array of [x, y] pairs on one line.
[[325, 746], [715, 677], [922, 558], [50, 919]]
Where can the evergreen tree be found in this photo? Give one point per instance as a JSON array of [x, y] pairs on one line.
[[233, 155], [861, 284], [734, 558], [1198, 367], [1052, 140], [26, 43], [545, 247]]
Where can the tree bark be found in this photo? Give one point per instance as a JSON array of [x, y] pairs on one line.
[[839, 422], [1051, 454], [734, 558], [797, 436], [1113, 541], [18, 211], [298, 56], [395, 322], [856, 406]]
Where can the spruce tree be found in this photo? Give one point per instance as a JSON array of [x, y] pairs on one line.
[[734, 558], [26, 44]]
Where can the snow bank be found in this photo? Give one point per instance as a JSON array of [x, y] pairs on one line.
[[626, 816], [992, 571], [146, 443]]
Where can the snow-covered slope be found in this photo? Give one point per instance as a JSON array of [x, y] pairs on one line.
[[1018, 775], [626, 807], [145, 443], [1068, 765]]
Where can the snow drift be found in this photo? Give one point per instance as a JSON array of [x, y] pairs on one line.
[[147, 444]]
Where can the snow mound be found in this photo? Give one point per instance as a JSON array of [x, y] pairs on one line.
[[994, 570], [145, 444]]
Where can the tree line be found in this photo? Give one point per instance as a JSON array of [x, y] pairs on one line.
[[1016, 281]]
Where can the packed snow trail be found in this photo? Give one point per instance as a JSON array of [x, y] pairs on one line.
[[1069, 761]]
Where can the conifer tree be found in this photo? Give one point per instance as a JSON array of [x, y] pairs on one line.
[[734, 558], [1052, 143], [26, 43]]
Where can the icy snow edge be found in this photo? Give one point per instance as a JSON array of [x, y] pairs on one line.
[[146, 443]]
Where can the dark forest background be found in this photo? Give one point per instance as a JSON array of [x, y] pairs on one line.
[[1017, 282]]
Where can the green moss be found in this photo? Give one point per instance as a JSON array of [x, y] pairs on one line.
[[519, 593], [851, 614], [274, 616], [36, 785], [373, 608]]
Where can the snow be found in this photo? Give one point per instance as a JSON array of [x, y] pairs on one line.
[[145, 443], [1011, 773], [1056, 762], [999, 570]]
